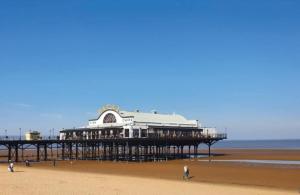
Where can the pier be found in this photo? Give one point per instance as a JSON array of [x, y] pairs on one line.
[[113, 149]]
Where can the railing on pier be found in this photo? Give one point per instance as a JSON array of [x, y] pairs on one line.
[[151, 136], [15, 138]]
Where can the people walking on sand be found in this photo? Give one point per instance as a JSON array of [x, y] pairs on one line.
[[54, 163], [10, 166], [186, 172], [27, 163]]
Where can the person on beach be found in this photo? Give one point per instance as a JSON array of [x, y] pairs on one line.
[[54, 163], [27, 163], [10, 166], [186, 172]]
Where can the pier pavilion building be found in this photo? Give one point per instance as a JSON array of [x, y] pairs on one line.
[[115, 123]]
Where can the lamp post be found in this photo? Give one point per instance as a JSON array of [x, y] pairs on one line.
[[6, 134], [20, 133]]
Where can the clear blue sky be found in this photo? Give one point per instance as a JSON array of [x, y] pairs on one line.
[[230, 64]]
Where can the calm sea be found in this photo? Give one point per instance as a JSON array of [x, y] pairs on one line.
[[252, 144], [258, 144]]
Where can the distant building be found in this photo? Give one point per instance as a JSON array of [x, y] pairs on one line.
[[114, 123], [32, 135]]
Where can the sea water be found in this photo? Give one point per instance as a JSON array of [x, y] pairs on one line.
[[257, 144], [274, 162]]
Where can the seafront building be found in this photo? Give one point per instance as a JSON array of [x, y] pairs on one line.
[[115, 123], [33, 135]]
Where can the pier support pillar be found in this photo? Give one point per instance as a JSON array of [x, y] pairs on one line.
[[174, 152], [70, 151], [130, 153], [9, 153], [45, 152], [16, 153], [104, 152], [76, 152], [63, 151], [181, 151], [38, 152], [195, 151]]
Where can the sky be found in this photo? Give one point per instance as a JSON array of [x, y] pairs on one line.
[[233, 65]]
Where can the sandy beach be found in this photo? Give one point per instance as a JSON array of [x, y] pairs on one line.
[[41, 181]]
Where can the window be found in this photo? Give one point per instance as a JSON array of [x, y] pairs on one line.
[[135, 133], [144, 133], [109, 118], [126, 132]]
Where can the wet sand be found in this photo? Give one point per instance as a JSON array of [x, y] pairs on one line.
[[258, 154], [273, 177]]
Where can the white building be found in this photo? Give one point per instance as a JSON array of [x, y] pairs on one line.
[[114, 123]]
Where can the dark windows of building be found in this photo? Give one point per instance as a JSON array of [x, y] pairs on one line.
[[135, 133], [109, 118], [126, 132], [144, 133]]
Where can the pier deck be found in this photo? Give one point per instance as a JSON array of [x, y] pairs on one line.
[[125, 149]]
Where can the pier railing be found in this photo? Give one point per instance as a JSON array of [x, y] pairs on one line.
[[151, 136], [15, 138]]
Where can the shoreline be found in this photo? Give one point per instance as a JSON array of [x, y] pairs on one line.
[[223, 173], [262, 175]]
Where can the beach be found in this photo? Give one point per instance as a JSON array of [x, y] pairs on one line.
[[165, 177], [40, 181]]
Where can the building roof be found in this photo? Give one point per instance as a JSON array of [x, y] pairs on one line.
[[143, 117]]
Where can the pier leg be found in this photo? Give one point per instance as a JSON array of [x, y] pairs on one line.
[[16, 153], [117, 152], [166, 153], [38, 152], [9, 153], [70, 151], [104, 152], [181, 151], [45, 153], [130, 153], [82, 151], [169, 152], [174, 152], [98, 151], [63, 151], [22, 152], [57, 152], [51, 151], [146, 153], [76, 152], [124, 152], [111, 152]]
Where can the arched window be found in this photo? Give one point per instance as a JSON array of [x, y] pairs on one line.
[[109, 118]]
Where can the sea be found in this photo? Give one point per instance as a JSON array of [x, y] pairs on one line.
[[292, 144]]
